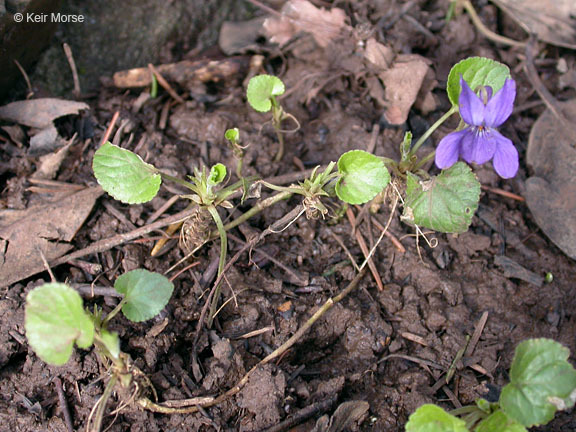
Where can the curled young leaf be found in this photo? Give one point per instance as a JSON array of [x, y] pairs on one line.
[[232, 135], [261, 89], [217, 174], [55, 319]]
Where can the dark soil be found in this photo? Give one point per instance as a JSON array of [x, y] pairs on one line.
[[390, 347]]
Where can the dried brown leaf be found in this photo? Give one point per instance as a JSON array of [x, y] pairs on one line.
[[402, 84], [554, 21], [47, 228], [39, 113], [302, 16]]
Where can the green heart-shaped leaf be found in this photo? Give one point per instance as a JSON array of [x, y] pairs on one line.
[[542, 381], [124, 175], [261, 89], [432, 418], [445, 203], [146, 293], [55, 320], [476, 71], [363, 176]]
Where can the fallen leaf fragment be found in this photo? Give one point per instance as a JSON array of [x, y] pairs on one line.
[[46, 228], [553, 21], [40, 113], [302, 16], [551, 191], [402, 83]]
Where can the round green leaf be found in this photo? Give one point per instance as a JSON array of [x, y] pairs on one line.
[[146, 294], [124, 175], [476, 71], [261, 89], [432, 418], [54, 320], [541, 382], [217, 174], [445, 203], [499, 422], [363, 176], [232, 135]]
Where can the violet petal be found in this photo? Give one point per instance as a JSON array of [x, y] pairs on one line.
[[448, 149], [470, 105], [505, 157], [499, 108], [483, 146], [467, 146]]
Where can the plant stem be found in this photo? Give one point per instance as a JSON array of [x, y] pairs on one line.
[[261, 205], [113, 313], [221, 263], [426, 159], [280, 137], [99, 414], [429, 132], [184, 183]]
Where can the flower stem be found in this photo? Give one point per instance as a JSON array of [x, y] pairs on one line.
[[426, 159], [221, 263], [432, 128]]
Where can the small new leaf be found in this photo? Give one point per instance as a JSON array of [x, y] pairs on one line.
[[476, 71], [362, 177], [54, 320], [232, 135], [432, 418], [261, 89], [124, 175], [217, 174], [445, 203], [541, 382], [146, 294]]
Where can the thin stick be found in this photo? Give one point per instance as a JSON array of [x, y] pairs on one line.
[[504, 193], [384, 231], [486, 31], [478, 329], [63, 404], [165, 83], [365, 250], [72, 64], [108, 132], [549, 100], [391, 236], [25, 75], [105, 244]]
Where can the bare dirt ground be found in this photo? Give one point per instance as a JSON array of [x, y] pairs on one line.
[[390, 347]]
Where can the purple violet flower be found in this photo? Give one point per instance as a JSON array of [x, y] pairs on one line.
[[479, 141]]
